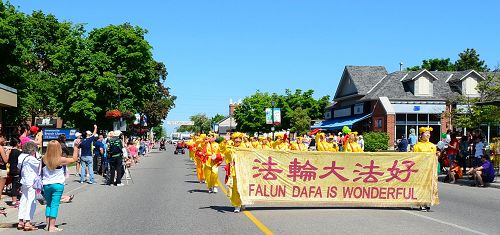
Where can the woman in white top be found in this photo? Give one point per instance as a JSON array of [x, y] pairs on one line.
[[53, 181], [29, 167]]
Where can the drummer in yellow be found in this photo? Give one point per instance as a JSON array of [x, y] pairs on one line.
[[298, 145], [191, 147], [234, 195], [280, 144], [351, 144], [321, 144], [212, 163], [200, 155], [424, 145]]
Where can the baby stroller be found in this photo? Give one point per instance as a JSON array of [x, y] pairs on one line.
[[162, 146], [180, 148]]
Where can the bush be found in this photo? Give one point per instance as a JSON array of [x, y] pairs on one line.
[[376, 141]]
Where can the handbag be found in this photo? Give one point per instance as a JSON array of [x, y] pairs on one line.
[[38, 186]]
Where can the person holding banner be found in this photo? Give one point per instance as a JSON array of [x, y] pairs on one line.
[[332, 145], [200, 155], [424, 145], [280, 144], [351, 144], [321, 144], [298, 145], [234, 196]]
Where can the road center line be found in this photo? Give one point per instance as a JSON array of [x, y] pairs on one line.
[[443, 222], [249, 214]]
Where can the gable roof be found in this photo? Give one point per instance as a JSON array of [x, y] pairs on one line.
[[415, 74], [460, 75], [363, 77]]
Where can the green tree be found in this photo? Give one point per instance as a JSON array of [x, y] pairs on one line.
[[435, 65], [300, 121], [469, 59], [250, 114], [217, 118]]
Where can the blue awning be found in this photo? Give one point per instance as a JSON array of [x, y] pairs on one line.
[[338, 123]]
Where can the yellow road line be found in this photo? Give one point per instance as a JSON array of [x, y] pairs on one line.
[[249, 214]]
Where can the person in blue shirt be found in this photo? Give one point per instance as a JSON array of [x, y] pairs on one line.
[[412, 139], [98, 153], [403, 145], [86, 156]]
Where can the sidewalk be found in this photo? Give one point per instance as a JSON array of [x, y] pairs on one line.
[[468, 182]]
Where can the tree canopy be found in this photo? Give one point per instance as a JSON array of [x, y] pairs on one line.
[[468, 59], [61, 70], [297, 108]]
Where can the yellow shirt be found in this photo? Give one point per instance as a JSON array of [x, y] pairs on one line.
[[424, 147], [352, 147], [280, 145], [298, 147]]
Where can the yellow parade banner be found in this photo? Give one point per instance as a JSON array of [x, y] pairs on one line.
[[360, 179]]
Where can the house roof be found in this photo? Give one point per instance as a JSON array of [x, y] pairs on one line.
[[365, 77]]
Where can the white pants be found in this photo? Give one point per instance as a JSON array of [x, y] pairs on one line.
[[27, 204]]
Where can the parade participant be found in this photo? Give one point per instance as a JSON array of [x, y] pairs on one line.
[[321, 144], [212, 163], [246, 143], [331, 144], [351, 144], [424, 145], [255, 143], [280, 144], [234, 195], [264, 143], [191, 147], [298, 145], [200, 155]]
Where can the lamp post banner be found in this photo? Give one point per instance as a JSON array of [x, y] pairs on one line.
[[180, 123], [354, 179], [269, 115]]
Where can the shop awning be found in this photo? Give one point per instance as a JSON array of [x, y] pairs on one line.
[[338, 123]]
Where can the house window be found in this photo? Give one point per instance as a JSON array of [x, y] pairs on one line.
[[424, 86], [379, 123]]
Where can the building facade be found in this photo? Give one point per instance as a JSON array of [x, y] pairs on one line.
[[368, 98], [8, 99]]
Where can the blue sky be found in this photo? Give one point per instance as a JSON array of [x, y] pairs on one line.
[[218, 50]]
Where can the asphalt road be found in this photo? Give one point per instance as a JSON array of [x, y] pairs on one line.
[[166, 199]]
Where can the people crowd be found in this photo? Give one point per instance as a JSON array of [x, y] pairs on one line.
[[37, 175]]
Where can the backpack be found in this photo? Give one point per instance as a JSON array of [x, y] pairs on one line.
[[115, 148]]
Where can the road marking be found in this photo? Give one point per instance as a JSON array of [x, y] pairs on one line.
[[443, 222], [81, 186], [249, 215]]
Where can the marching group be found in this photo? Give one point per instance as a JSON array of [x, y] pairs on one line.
[[210, 151], [40, 177]]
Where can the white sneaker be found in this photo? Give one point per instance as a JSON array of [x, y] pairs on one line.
[[237, 210], [215, 190], [119, 185], [210, 191]]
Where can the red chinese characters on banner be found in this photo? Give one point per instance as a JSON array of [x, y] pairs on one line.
[[270, 172], [333, 170], [396, 172], [370, 174], [306, 172]]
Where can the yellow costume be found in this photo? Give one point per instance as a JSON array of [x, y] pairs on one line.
[[351, 144], [200, 156], [298, 146], [234, 195], [321, 144], [423, 145], [279, 144], [192, 147], [211, 166]]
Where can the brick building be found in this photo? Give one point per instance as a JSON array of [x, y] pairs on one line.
[[368, 98], [8, 99]]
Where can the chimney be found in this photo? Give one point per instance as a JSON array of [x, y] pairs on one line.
[[400, 66]]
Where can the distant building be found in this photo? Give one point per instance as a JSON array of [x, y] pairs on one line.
[[228, 124], [370, 99], [8, 99]]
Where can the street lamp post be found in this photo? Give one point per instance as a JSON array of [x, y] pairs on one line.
[[119, 77], [272, 116]]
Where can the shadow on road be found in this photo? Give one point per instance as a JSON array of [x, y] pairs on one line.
[[284, 208], [198, 191], [221, 209], [191, 181]]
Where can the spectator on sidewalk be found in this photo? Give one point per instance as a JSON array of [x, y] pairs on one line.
[[86, 156], [76, 143], [65, 151], [14, 171], [403, 144], [53, 181], [463, 152], [478, 151], [115, 157], [452, 150], [455, 172], [484, 173], [4, 159], [29, 164], [98, 153]]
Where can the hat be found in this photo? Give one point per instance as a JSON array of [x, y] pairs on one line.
[[110, 134], [424, 129], [78, 134], [34, 129], [88, 133], [117, 133], [280, 135], [237, 135]]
